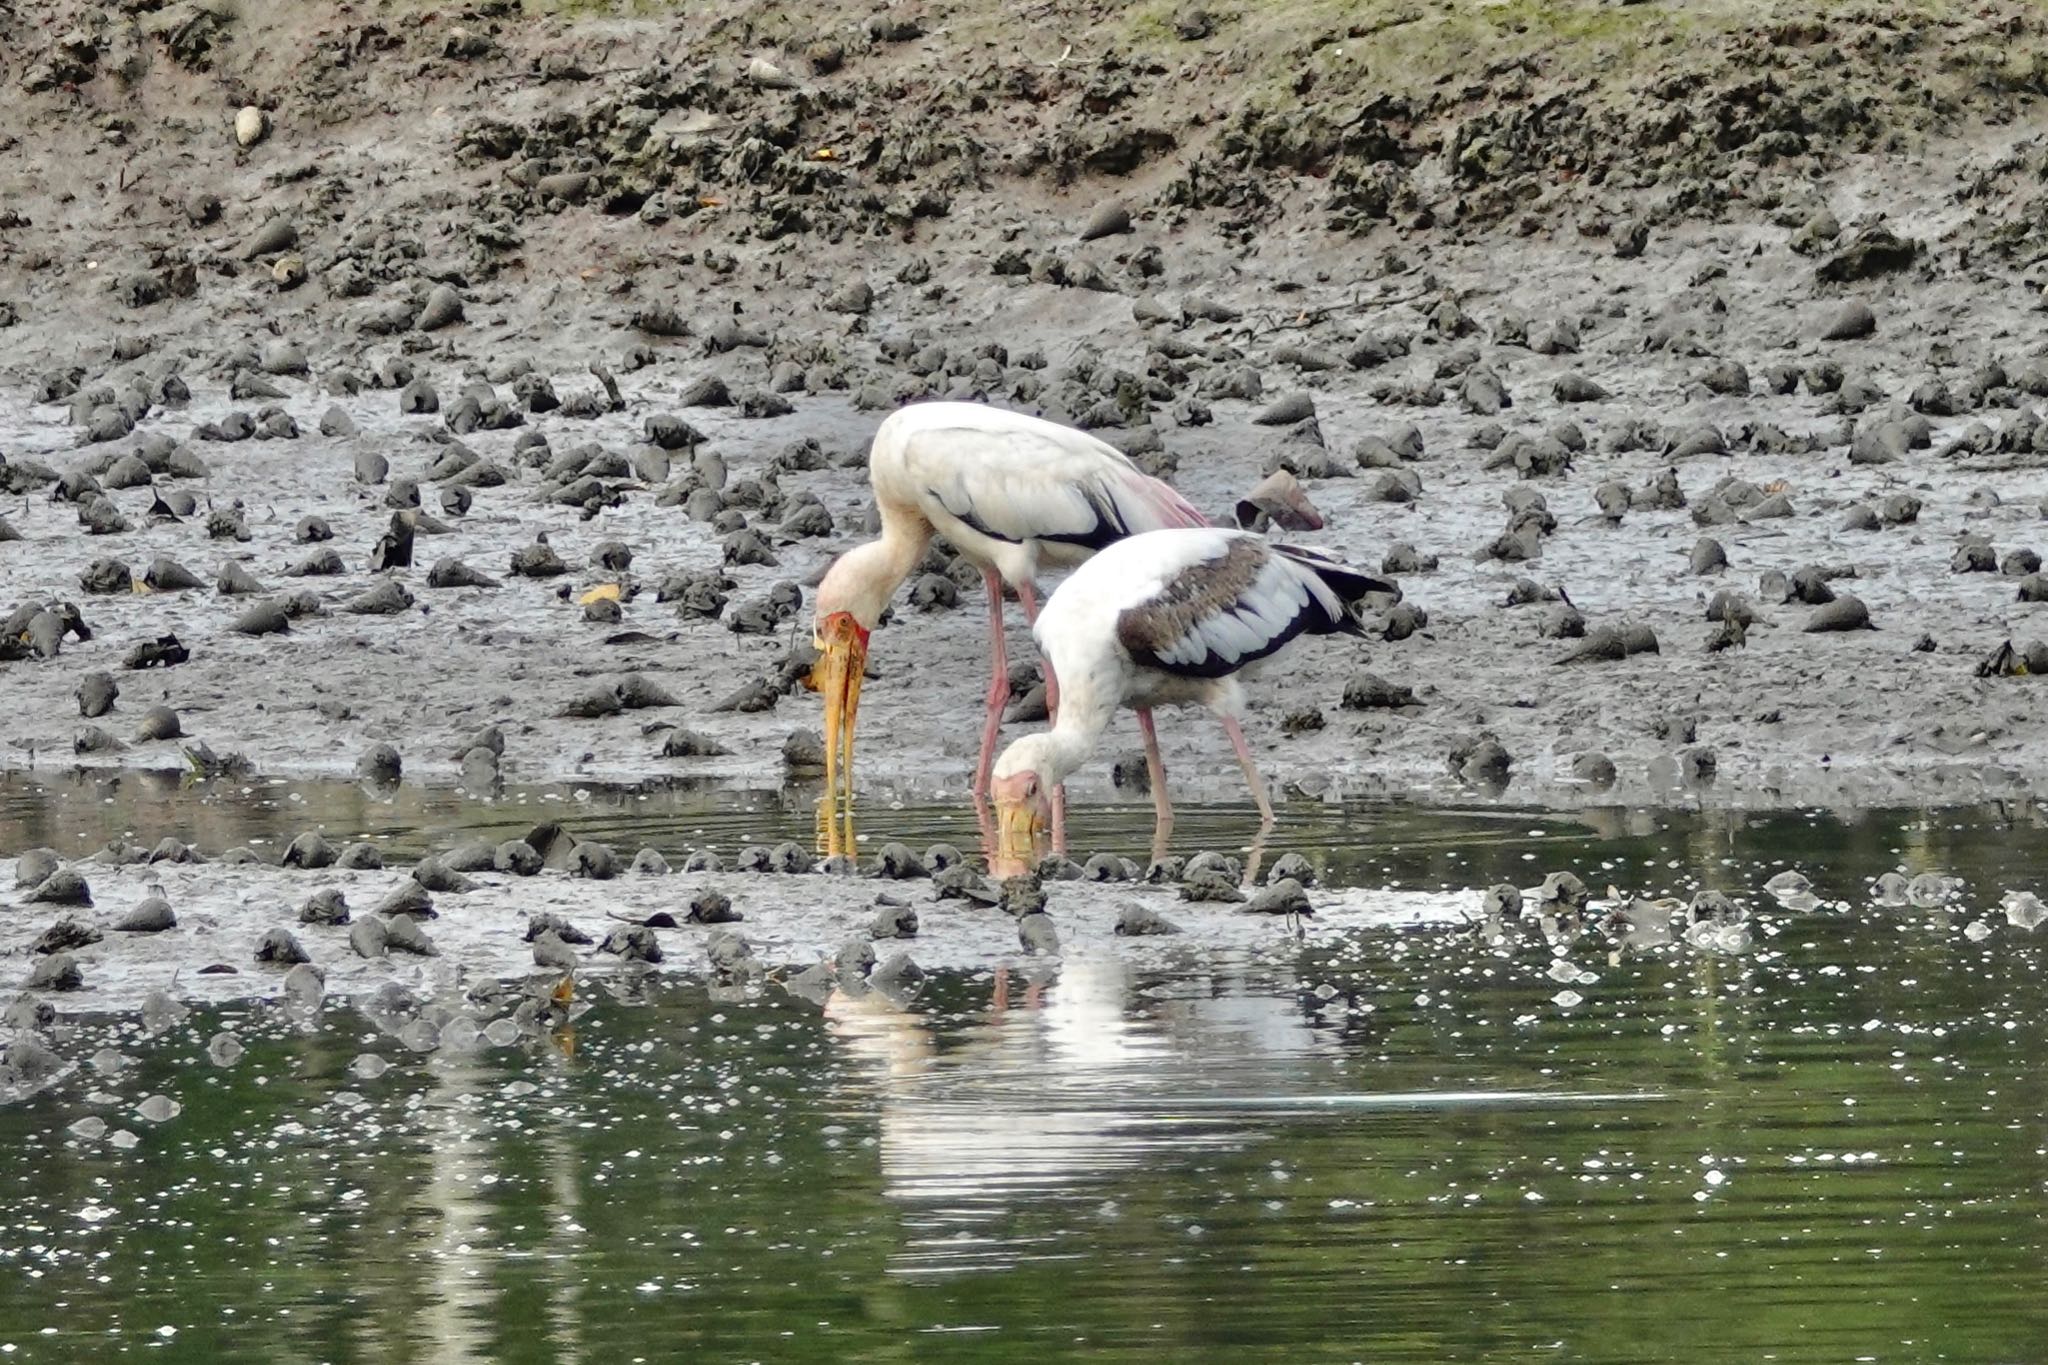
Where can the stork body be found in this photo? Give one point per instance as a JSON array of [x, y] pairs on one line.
[[1014, 495], [1173, 617]]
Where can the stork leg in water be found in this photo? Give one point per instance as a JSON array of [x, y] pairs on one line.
[[998, 685], [1162, 807], [1257, 851], [1155, 774]]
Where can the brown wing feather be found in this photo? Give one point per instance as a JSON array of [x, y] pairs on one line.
[[1151, 632]]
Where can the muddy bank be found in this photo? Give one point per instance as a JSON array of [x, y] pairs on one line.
[[791, 923], [1829, 366], [1789, 718]]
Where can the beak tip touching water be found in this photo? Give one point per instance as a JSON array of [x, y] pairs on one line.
[[1020, 831], [836, 677]]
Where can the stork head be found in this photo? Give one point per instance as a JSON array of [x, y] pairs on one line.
[[1022, 786], [858, 585], [849, 601]]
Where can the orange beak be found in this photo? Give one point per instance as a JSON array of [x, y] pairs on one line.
[[1020, 826], [842, 664]]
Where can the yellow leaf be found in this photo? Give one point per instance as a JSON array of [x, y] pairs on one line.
[[603, 592], [824, 154], [709, 203], [142, 588]]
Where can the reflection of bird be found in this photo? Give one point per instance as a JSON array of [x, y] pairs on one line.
[[1168, 618], [1013, 495], [1042, 1102]]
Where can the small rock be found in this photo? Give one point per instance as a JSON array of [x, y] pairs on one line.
[[1851, 322], [1846, 612], [1037, 934], [252, 125], [279, 946], [57, 972], [1108, 220]]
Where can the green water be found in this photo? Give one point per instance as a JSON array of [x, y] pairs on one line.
[[1387, 1146]]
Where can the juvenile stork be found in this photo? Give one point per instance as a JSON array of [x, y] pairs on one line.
[[1167, 618], [1014, 495]]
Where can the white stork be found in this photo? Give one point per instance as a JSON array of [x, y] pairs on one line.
[[1013, 495], [1167, 618]]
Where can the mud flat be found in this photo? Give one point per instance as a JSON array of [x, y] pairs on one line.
[[1526, 340]]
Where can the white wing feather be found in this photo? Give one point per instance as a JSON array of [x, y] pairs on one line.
[[1016, 478]]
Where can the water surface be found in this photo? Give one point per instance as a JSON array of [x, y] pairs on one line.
[[1384, 1145]]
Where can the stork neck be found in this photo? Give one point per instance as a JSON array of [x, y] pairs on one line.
[[1085, 711], [867, 576], [902, 543]]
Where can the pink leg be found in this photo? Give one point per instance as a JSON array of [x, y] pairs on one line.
[[998, 686], [1027, 597], [1155, 769], [1251, 771]]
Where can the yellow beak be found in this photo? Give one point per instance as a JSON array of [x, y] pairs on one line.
[[836, 678], [1020, 839]]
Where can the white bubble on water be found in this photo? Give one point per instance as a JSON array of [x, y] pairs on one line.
[[92, 1127], [159, 1109], [2024, 910], [224, 1049], [460, 1034], [369, 1066], [1568, 999], [160, 1013]]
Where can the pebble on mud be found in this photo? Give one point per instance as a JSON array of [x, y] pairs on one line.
[[327, 906], [57, 972], [280, 946], [1844, 613], [252, 125], [1037, 935]]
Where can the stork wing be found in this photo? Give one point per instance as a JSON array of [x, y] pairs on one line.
[[1213, 617], [1055, 485]]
